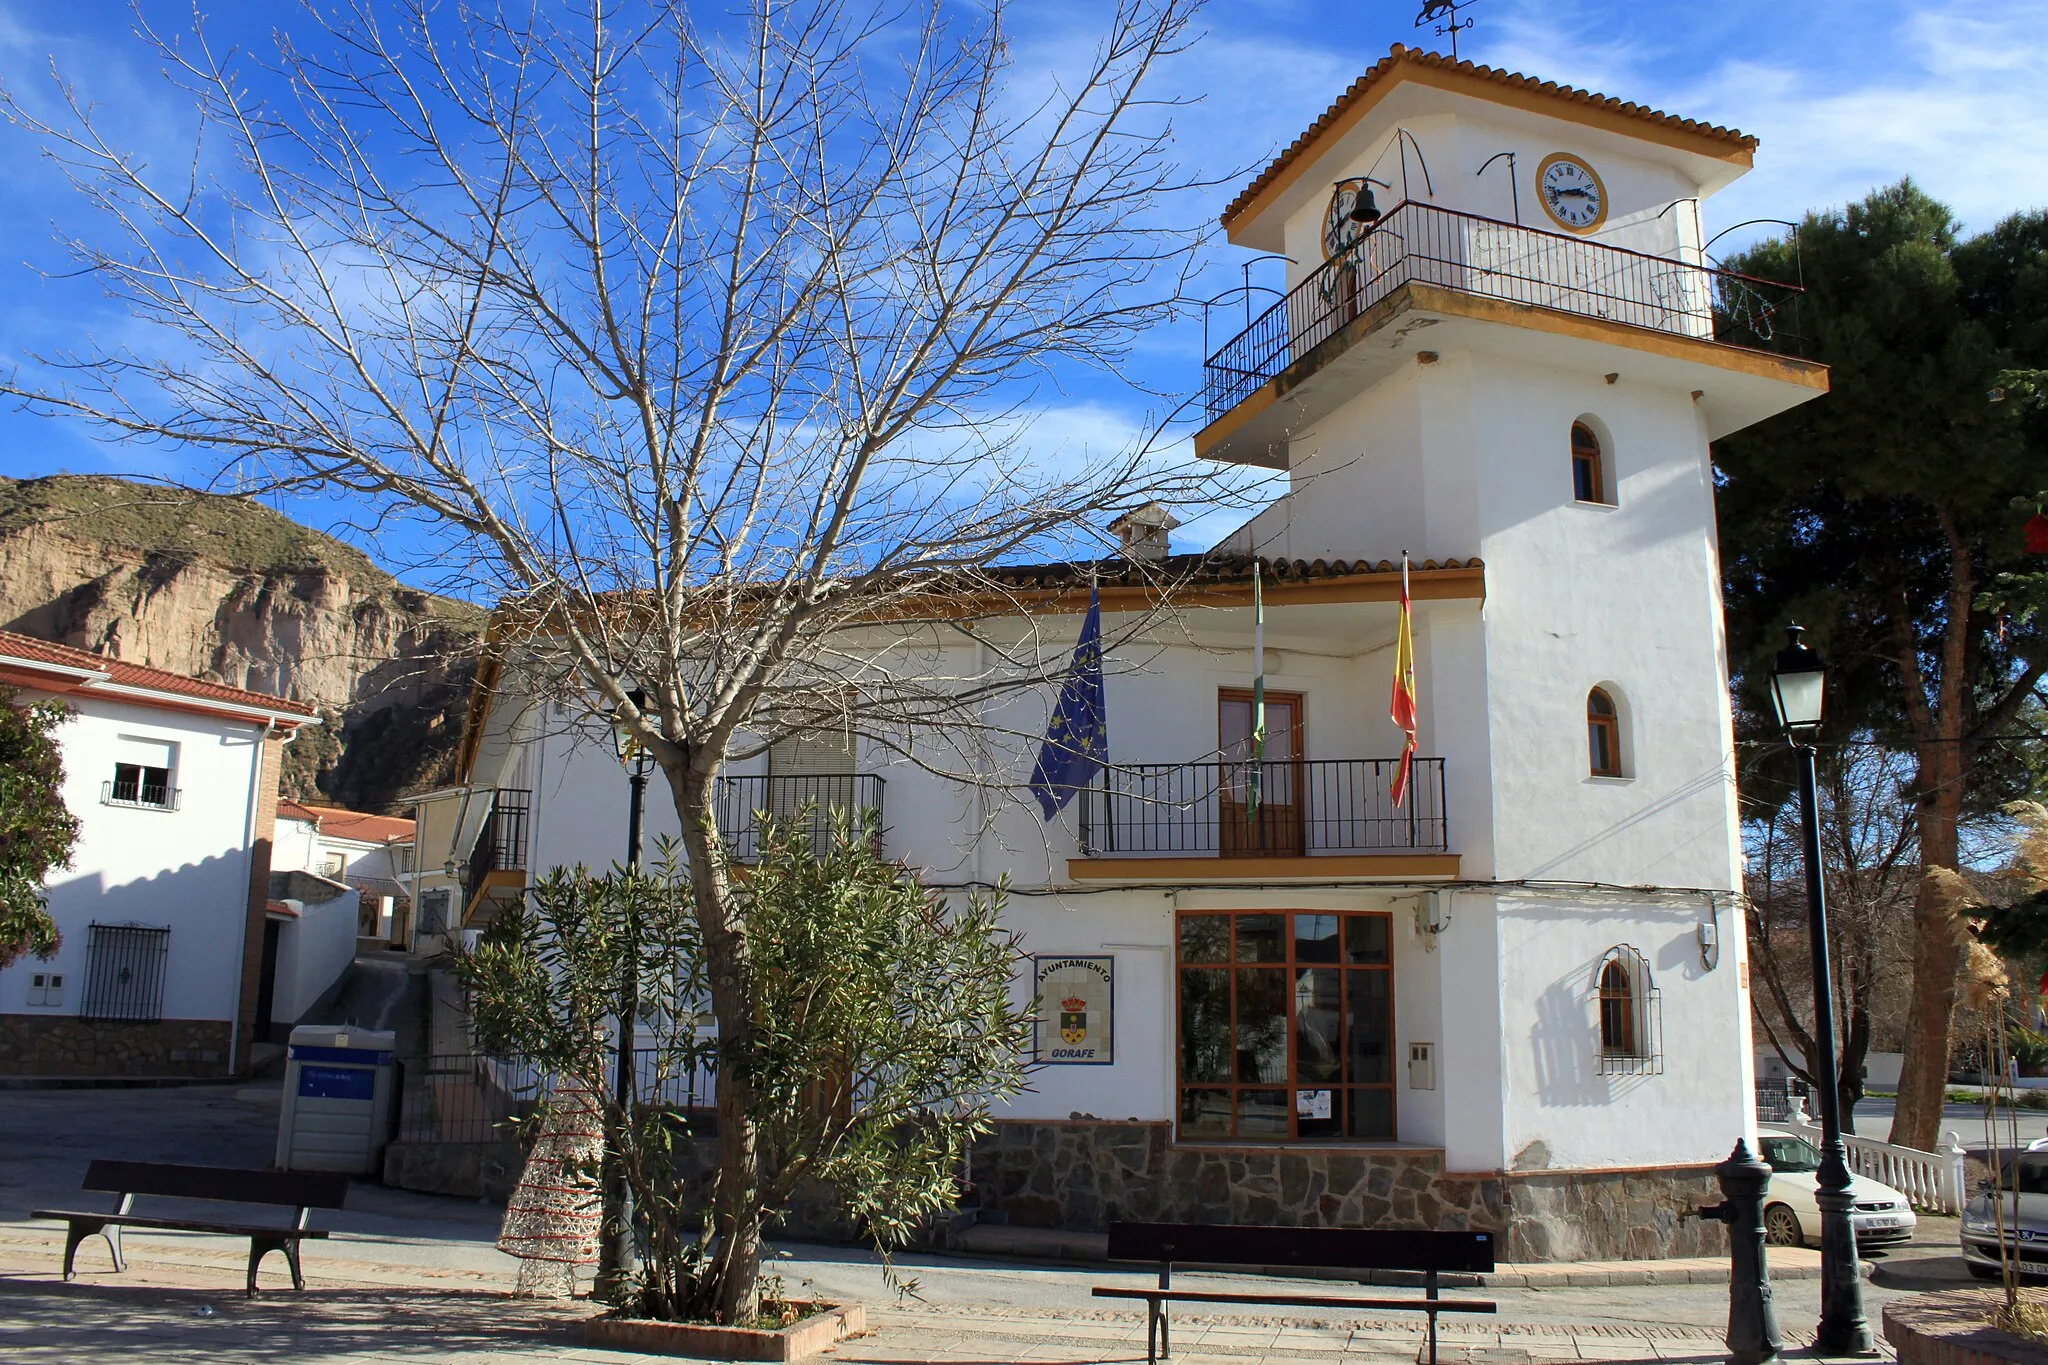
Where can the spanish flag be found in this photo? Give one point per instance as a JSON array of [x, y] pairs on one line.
[[1402, 707]]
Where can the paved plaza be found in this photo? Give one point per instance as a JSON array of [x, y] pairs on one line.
[[415, 1278]]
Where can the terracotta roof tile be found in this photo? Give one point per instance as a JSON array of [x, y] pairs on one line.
[[136, 675], [1407, 56], [360, 826], [1204, 568]]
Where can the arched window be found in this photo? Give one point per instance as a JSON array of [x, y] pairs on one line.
[[1589, 472], [1603, 734], [1617, 1011], [1628, 1009]]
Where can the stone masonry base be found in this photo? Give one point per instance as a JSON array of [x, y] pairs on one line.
[[1084, 1175], [64, 1045]]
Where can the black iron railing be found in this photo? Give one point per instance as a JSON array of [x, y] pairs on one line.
[[464, 1097], [1341, 805], [501, 843], [141, 796], [813, 798], [1423, 244], [1774, 1097], [124, 972]]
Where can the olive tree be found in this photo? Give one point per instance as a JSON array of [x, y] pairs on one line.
[[886, 1027]]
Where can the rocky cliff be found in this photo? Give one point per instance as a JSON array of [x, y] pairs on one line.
[[225, 588]]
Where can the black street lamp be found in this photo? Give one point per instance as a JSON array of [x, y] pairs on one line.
[[1797, 684], [615, 1252]]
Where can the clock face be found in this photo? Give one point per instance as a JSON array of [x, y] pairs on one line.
[[1571, 192], [1339, 232]]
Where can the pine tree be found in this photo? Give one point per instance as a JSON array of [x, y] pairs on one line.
[[1884, 517]]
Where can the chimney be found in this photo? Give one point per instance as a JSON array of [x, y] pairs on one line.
[[1142, 533]]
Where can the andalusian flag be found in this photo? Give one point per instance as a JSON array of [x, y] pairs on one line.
[[1402, 707], [1251, 802]]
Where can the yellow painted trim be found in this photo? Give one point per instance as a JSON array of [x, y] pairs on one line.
[[1378, 585], [1362, 866], [1223, 428], [1479, 307], [502, 879], [1550, 103], [1738, 359]]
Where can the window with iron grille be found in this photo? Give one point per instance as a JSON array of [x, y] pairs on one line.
[[1630, 1015], [124, 972]]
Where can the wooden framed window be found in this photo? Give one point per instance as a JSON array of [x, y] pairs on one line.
[[1589, 472], [1286, 1026], [1603, 735], [1617, 1012], [1629, 1009]]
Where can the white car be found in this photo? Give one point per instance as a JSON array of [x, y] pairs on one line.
[[1792, 1217]]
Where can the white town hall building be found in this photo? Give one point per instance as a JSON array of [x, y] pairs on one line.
[[1519, 1000]]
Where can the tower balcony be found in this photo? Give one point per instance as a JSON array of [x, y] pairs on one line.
[[1426, 278]]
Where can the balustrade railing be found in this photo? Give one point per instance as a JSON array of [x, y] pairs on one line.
[[1304, 808], [1932, 1182], [1424, 244]]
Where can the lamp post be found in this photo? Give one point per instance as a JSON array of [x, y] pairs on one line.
[[615, 1252], [1797, 683]]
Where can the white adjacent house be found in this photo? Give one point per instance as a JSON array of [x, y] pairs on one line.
[[370, 853], [1517, 999], [164, 908]]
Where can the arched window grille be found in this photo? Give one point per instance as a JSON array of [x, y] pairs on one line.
[[1603, 734], [1589, 465], [1630, 1015]]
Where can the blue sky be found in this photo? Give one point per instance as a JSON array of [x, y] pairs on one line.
[[1844, 94]]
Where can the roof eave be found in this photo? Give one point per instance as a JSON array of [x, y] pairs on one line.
[[1404, 66]]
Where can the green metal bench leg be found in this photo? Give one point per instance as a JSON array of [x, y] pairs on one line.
[[80, 1229], [1429, 1293], [259, 1247], [1165, 1321]]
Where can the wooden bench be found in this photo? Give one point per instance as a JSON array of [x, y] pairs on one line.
[[299, 1191], [1225, 1244]]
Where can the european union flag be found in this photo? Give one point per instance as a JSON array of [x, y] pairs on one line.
[[1077, 740]]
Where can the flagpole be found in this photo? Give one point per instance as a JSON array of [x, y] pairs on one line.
[[1255, 775]]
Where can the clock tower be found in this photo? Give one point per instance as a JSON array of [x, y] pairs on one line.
[[1502, 341]]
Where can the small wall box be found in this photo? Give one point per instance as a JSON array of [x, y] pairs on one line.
[[1422, 1066], [46, 989]]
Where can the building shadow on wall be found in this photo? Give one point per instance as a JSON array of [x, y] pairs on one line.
[[1565, 1044], [204, 904]]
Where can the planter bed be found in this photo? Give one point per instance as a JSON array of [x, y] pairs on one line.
[[803, 1338], [1955, 1329]]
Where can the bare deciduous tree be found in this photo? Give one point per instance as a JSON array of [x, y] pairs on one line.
[[1872, 877], [700, 341]]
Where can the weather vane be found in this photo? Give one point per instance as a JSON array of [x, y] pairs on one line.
[[1444, 14]]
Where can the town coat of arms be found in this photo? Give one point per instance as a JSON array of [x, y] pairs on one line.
[[1073, 1020]]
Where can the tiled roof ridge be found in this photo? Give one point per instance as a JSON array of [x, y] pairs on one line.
[[340, 817], [1207, 568], [127, 674], [1401, 53]]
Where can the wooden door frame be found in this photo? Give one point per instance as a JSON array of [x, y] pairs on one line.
[[1339, 1090], [1297, 761]]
